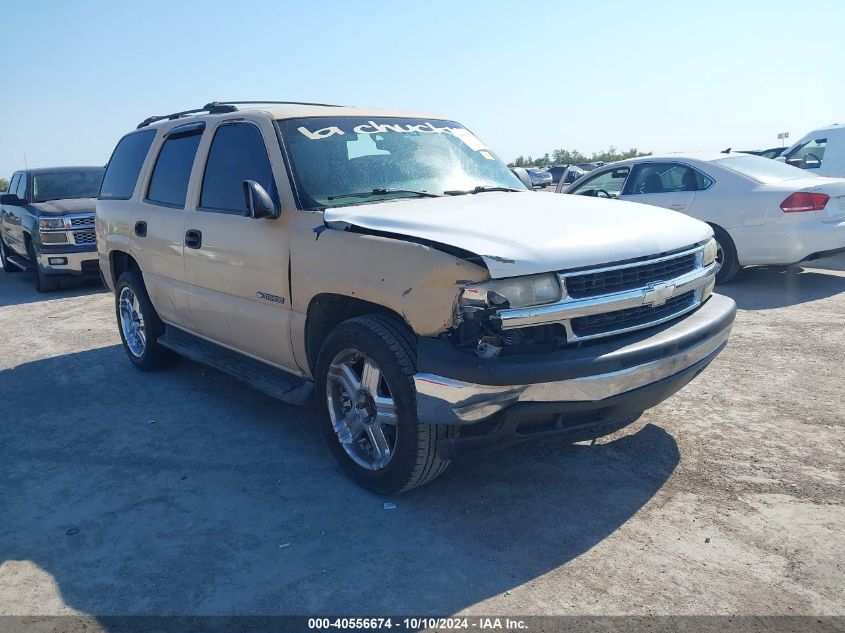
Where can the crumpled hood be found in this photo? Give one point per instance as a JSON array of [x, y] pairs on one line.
[[70, 205], [526, 232]]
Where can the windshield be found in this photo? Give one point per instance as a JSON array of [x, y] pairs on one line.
[[761, 169], [62, 185], [340, 161]]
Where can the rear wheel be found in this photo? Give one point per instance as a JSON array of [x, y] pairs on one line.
[[139, 324], [727, 262], [366, 392], [8, 266], [43, 281]]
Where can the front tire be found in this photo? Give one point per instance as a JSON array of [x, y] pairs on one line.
[[139, 324], [726, 256], [366, 394], [43, 281]]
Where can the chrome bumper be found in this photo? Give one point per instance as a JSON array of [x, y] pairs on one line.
[[73, 265], [444, 400]]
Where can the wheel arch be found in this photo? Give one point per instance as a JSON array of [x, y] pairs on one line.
[[327, 310], [119, 263]]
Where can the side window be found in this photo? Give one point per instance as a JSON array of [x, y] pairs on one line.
[[125, 165], [808, 155], [607, 184], [237, 153], [172, 171], [665, 178], [21, 191], [13, 185]]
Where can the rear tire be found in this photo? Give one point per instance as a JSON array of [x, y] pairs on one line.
[[727, 254], [43, 281], [8, 266], [139, 325], [366, 394]]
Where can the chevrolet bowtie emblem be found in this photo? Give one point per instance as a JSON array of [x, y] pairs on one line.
[[658, 294]]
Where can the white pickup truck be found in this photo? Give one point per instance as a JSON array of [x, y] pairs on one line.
[[392, 261]]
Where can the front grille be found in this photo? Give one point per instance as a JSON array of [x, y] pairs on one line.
[[610, 281], [82, 223], [609, 322], [84, 237]]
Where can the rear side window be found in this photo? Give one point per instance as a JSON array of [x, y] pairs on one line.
[[22, 187], [237, 153], [125, 165], [172, 171], [13, 186], [666, 178]]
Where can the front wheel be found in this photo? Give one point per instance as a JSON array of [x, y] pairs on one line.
[[43, 281], [139, 324], [366, 393]]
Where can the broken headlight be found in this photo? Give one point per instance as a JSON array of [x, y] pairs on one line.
[[516, 292]]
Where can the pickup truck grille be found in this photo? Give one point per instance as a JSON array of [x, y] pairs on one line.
[[618, 298], [82, 223], [632, 317], [618, 279], [84, 238]]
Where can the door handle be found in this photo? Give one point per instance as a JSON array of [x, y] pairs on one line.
[[193, 238], [141, 228]]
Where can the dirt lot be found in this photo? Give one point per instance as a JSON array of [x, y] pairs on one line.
[[185, 493]]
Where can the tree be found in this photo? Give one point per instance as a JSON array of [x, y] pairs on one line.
[[4, 184], [568, 157]]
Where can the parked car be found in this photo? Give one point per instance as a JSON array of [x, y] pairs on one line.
[[821, 152], [556, 172], [47, 223], [570, 175], [762, 211], [539, 177], [416, 289]]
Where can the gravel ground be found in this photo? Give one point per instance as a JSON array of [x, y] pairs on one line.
[[185, 493]]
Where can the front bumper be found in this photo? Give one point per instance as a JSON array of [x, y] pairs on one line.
[[459, 389], [78, 263]]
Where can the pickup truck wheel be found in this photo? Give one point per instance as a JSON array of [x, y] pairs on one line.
[[8, 266], [727, 262], [43, 281], [366, 392], [139, 325]]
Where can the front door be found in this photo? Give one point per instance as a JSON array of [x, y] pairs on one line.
[[237, 266]]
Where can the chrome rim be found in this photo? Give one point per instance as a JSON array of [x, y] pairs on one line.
[[132, 322], [362, 409], [720, 258]]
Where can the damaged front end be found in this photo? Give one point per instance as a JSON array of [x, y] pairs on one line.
[[478, 320]]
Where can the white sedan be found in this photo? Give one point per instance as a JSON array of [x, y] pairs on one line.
[[761, 211]]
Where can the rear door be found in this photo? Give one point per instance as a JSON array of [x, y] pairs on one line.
[[14, 217], [237, 266], [158, 222], [670, 185], [7, 209]]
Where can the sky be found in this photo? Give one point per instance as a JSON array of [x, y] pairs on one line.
[[525, 77]]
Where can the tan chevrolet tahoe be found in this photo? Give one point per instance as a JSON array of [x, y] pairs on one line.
[[390, 266]]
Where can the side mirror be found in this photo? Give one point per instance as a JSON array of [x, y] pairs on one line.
[[11, 199], [259, 204], [523, 176]]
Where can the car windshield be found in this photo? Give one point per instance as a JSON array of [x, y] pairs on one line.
[[340, 161], [62, 185], [761, 169]]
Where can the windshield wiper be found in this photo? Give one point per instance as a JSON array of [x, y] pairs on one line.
[[383, 192], [479, 189]]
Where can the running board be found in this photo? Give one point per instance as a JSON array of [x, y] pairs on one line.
[[20, 262], [272, 381]]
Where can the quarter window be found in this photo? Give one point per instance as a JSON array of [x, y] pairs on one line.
[[237, 153], [172, 171], [125, 165], [665, 178], [607, 184]]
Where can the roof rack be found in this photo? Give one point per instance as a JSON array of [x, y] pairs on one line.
[[221, 107]]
